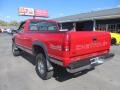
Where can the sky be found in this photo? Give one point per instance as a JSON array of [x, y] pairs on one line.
[[56, 8]]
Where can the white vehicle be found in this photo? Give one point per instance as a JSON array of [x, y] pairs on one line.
[[9, 30]]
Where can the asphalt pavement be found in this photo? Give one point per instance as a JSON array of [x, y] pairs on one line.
[[18, 73]]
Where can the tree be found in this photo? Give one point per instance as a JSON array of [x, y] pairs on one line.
[[3, 23], [14, 23]]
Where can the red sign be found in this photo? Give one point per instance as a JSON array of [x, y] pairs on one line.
[[33, 12], [41, 13]]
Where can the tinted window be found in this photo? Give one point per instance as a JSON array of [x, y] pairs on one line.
[[42, 25], [21, 27], [33, 25]]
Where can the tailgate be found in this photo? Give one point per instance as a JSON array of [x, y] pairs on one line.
[[82, 43]]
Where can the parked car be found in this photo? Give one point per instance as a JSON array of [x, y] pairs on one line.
[[14, 31], [115, 38], [4, 30], [9, 30], [74, 50]]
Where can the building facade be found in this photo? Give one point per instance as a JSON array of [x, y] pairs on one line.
[[103, 20]]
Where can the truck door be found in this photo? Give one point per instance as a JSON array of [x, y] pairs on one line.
[[20, 35], [32, 28]]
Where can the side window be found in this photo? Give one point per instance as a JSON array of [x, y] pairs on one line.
[[42, 26], [33, 25], [49, 26], [21, 28]]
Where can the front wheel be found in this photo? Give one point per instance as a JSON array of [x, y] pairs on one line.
[[16, 51], [41, 67]]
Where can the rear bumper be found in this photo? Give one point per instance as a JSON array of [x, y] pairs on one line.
[[88, 63]]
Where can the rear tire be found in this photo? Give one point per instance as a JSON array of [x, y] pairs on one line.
[[41, 67], [113, 41], [16, 51]]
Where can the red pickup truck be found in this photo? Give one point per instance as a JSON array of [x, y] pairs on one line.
[[74, 50]]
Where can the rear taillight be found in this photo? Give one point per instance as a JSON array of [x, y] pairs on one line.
[[66, 43]]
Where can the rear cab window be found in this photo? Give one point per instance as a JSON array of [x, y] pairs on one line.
[[42, 26]]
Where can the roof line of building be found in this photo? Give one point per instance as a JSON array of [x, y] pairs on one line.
[[101, 14]]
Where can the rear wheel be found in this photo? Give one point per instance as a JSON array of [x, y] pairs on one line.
[[113, 41], [16, 51], [41, 67]]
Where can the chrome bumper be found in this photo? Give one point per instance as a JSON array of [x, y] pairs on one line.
[[93, 62]]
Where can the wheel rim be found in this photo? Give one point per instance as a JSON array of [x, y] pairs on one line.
[[40, 66]]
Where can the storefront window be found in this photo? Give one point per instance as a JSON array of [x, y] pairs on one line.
[[101, 27], [118, 28], [108, 27], [112, 27]]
